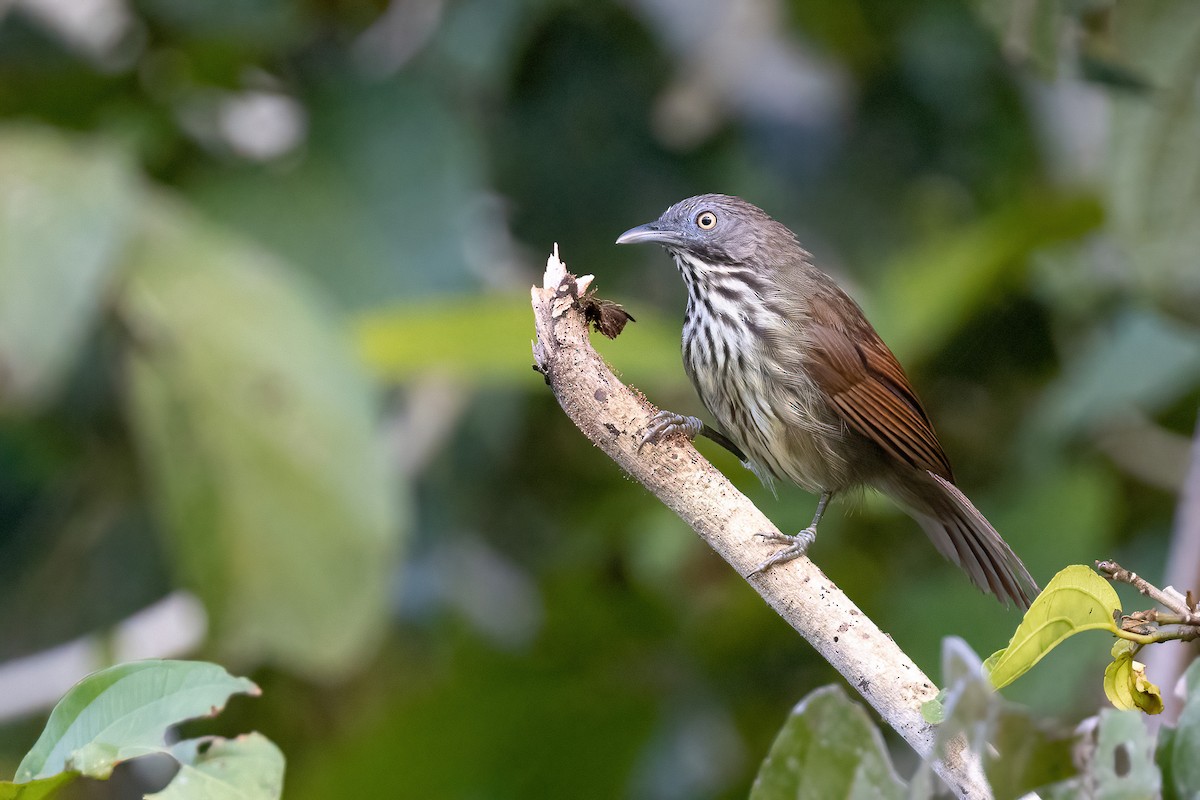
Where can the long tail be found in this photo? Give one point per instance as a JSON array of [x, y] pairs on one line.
[[964, 536]]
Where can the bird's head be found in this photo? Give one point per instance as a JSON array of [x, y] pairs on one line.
[[716, 228]]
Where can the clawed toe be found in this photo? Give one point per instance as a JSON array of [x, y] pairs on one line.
[[666, 424], [796, 546], [661, 425], [776, 536]]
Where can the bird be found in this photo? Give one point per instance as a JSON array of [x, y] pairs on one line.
[[803, 388]]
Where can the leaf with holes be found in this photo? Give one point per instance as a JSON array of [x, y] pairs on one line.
[[1122, 765], [123, 712], [249, 767]]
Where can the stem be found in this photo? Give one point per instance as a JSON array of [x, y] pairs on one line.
[[1140, 638]]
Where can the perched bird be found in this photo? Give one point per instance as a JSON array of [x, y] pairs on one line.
[[803, 389]]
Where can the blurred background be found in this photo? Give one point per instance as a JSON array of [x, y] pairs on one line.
[[265, 385]]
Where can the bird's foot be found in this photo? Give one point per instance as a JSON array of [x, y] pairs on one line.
[[666, 424], [796, 546]]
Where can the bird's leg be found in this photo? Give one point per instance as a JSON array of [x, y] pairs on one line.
[[796, 545], [666, 424]]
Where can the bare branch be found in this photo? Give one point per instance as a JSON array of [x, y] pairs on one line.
[[614, 418], [1153, 626], [1168, 598]]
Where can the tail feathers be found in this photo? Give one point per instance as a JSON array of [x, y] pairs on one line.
[[964, 536]]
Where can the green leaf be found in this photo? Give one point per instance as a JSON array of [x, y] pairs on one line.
[[123, 712], [486, 340], [482, 340], [1126, 686], [828, 748], [249, 767], [1076, 599], [65, 211], [36, 790], [260, 437]]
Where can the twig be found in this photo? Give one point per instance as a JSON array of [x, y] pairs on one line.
[[1153, 626], [1167, 598], [614, 418]]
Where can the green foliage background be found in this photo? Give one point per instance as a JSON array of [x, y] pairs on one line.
[[297, 383]]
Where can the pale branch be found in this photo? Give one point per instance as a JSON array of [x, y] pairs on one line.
[[615, 417], [1168, 598], [1150, 626]]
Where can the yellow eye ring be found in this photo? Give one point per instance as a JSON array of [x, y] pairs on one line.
[[706, 220]]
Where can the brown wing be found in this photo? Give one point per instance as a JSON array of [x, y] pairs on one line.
[[869, 389]]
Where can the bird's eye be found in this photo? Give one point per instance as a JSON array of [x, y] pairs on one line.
[[707, 220]]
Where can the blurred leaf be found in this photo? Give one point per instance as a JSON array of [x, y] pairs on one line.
[[478, 339], [827, 748], [259, 437], [1022, 754], [968, 703], [1076, 599], [487, 340], [959, 661], [1142, 362], [1027, 756], [387, 200], [969, 700], [1164, 757], [1153, 165], [1178, 746], [249, 767], [123, 712], [65, 210], [924, 296], [1122, 765], [1035, 30], [1029, 30], [1125, 682]]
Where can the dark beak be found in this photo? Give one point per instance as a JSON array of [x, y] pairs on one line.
[[650, 232]]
